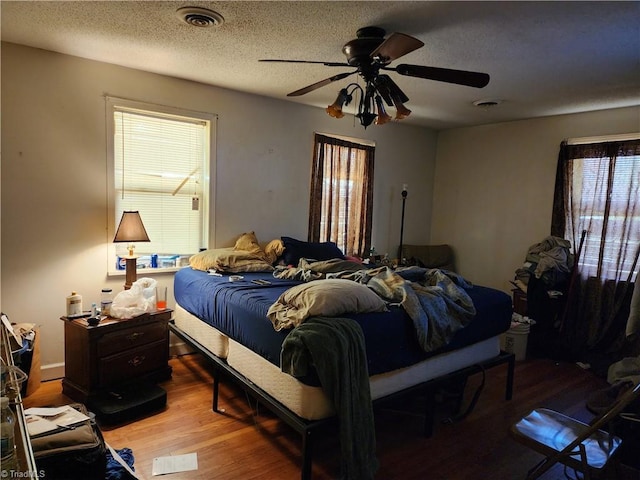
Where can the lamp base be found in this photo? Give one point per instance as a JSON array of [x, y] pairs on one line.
[[131, 271]]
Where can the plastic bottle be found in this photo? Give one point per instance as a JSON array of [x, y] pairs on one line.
[[9, 460], [106, 298], [74, 304]]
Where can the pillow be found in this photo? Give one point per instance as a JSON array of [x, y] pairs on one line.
[[273, 250], [249, 243], [228, 260], [330, 298], [294, 250]]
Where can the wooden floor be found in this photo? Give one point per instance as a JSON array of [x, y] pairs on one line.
[[248, 442]]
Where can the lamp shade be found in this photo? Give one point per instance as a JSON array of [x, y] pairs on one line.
[[131, 229]]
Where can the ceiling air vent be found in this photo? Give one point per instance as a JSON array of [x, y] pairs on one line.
[[487, 103], [200, 17]]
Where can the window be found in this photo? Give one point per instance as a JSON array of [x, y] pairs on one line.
[[603, 197], [598, 192], [342, 194], [160, 160]]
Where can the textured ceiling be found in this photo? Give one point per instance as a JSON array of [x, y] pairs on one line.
[[544, 58]]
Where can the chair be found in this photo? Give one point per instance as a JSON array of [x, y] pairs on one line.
[[586, 448], [430, 256]]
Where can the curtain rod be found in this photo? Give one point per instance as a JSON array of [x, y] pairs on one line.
[[361, 141], [604, 138]]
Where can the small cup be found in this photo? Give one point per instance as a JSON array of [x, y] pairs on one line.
[[161, 298]]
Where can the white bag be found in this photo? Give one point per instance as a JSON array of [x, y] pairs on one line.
[[140, 298]]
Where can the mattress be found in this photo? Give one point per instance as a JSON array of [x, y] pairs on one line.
[[310, 402], [237, 310]]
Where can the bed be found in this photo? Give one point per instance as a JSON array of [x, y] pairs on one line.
[[228, 317]]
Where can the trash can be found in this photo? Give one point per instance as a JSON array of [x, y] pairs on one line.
[[515, 340]]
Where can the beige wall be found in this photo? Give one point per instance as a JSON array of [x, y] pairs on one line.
[[491, 197], [54, 206], [494, 184]]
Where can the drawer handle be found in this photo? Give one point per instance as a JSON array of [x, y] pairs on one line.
[[137, 360], [134, 336]]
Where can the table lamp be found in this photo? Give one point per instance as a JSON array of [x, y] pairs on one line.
[[130, 230]]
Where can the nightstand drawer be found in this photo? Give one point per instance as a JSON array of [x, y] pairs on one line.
[[122, 340], [132, 363]]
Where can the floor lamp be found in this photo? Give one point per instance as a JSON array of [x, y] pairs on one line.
[[131, 229], [405, 192]]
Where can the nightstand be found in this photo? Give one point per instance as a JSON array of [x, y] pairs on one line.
[[115, 353]]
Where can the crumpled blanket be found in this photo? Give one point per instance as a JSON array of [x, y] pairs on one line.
[[334, 347], [434, 299], [307, 271], [438, 305]]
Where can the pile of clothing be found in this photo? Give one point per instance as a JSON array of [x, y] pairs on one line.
[[550, 261]]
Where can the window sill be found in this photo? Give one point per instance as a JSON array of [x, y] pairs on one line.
[[144, 272]]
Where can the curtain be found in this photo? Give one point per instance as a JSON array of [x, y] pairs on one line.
[[342, 194], [598, 191]]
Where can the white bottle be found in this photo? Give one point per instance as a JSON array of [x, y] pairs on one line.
[[74, 304], [9, 460]]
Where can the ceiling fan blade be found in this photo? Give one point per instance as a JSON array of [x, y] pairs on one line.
[[389, 89], [395, 46], [326, 64], [461, 77], [319, 84]]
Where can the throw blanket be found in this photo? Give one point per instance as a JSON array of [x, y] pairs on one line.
[[335, 348], [434, 299]]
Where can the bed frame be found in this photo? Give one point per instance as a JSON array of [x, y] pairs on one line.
[[307, 427]]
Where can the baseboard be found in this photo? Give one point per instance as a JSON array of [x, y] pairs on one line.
[[52, 371]]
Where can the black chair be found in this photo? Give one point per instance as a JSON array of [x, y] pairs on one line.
[[587, 448]]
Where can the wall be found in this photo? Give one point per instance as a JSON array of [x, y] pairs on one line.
[[54, 210], [494, 184]]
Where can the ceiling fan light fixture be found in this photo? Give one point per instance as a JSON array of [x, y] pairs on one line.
[[200, 17], [401, 111], [383, 117], [366, 118], [335, 109]]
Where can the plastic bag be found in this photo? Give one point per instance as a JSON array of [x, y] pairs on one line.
[[140, 298]]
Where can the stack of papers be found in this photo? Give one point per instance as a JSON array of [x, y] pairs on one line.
[[43, 420]]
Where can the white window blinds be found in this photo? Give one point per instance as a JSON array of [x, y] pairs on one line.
[[160, 168]]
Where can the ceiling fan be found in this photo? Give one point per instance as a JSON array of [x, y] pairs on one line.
[[370, 53]]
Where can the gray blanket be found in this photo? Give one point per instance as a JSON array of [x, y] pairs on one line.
[[335, 348]]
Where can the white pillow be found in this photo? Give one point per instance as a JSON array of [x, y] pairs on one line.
[[327, 298]]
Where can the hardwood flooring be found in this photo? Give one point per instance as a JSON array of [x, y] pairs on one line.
[[248, 442]]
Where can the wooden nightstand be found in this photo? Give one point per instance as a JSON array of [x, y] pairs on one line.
[[114, 353]]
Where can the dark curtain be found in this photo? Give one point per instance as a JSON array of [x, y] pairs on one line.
[[598, 191], [341, 199]]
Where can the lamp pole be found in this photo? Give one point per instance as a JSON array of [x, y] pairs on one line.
[[404, 199]]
